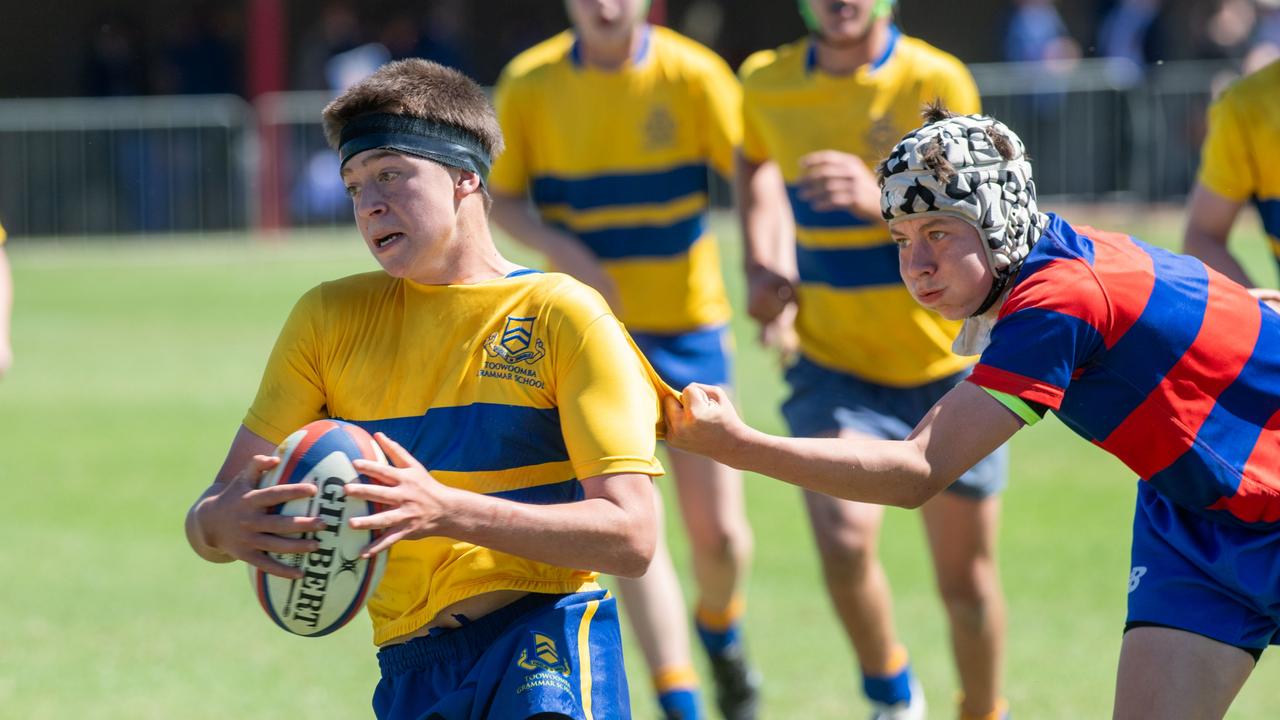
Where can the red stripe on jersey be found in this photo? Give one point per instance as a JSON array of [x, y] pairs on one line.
[[1257, 499], [1228, 333], [1044, 290], [1127, 275], [1020, 385]]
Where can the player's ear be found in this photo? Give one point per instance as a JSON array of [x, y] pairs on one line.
[[466, 184]]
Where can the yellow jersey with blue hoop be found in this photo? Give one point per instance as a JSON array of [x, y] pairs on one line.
[[514, 387], [1241, 155], [621, 160], [855, 315]]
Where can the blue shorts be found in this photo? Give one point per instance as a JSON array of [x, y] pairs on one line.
[[1213, 579], [697, 356], [558, 654], [823, 401]]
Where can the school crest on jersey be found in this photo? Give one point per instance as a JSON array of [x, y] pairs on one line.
[[541, 654], [516, 344], [881, 136], [659, 129]]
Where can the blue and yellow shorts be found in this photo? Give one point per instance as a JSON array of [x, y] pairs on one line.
[[1213, 579], [824, 401], [542, 654], [695, 356]]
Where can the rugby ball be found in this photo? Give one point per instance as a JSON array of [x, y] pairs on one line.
[[336, 581]]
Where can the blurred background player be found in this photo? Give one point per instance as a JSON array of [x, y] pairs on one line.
[[1155, 358], [538, 478], [1240, 161], [818, 112], [612, 129], [6, 308]]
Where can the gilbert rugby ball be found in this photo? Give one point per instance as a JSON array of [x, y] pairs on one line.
[[336, 581]]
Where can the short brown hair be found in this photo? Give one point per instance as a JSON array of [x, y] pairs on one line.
[[932, 155], [421, 89]]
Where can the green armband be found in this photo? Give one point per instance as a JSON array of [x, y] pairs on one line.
[[1016, 405]]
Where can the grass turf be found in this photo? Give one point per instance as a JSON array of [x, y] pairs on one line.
[[135, 362]]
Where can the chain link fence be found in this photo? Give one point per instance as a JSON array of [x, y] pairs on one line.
[[1097, 131]]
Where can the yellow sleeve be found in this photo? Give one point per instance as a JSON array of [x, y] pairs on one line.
[[509, 174], [958, 91], [3, 236], [723, 97], [606, 395], [753, 148], [291, 393], [1226, 159]]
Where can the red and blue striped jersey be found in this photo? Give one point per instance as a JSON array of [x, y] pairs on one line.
[[1155, 358]]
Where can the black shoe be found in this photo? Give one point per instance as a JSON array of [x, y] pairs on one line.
[[737, 684]]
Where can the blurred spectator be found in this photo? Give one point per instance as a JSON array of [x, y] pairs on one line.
[[337, 31], [115, 63], [1265, 47], [1131, 33], [201, 55], [1036, 33], [400, 35], [442, 36]]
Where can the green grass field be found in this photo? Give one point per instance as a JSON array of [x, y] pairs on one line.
[[136, 361]]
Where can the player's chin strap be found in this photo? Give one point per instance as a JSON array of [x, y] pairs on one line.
[[882, 8], [445, 144]]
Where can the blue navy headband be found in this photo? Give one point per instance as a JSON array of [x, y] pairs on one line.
[[428, 139]]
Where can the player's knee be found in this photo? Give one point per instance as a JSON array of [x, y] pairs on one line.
[[971, 598], [849, 561], [728, 544]]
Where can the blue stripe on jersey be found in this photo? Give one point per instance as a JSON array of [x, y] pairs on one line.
[[642, 240], [479, 437], [1168, 325], [1242, 410], [1070, 245], [1062, 342], [554, 493], [1270, 212], [639, 188], [849, 267], [807, 217]]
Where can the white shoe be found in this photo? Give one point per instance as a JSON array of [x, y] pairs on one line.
[[915, 709]]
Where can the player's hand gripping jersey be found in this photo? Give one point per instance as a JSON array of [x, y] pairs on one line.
[[855, 316], [620, 160], [1154, 357], [1241, 156], [514, 387]]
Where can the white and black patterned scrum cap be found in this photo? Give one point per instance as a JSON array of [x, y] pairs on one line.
[[994, 194]]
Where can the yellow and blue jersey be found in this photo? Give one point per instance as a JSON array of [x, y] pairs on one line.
[[515, 387], [621, 161], [1240, 159], [855, 315]]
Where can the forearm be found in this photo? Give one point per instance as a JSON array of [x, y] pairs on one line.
[[591, 534], [517, 218], [762, 213], [1214, 252], [196, 535], [874, 471]]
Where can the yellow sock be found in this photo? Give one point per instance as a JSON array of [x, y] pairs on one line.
[[675, 677], [896, 662], [721, 620]]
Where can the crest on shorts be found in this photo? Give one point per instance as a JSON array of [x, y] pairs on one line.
[[516, 344], [881, 136], [541, 654]]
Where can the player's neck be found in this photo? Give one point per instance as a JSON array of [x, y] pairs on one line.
[[844, 58], [609, 55], [470, 257]]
